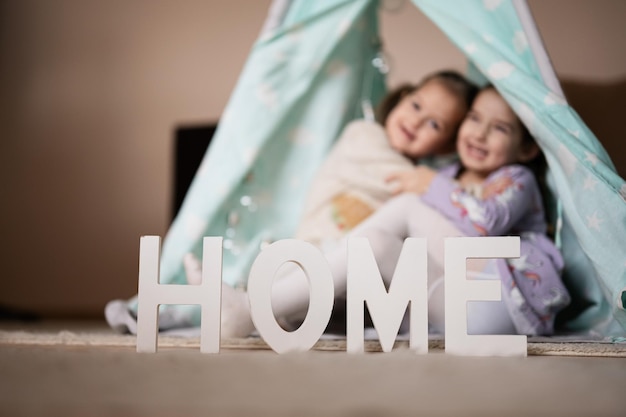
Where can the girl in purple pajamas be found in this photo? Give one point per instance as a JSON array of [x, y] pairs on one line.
[[490, 192]]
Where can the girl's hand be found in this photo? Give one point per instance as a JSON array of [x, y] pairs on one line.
[[414, 181]]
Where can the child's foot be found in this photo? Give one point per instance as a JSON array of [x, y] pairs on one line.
[[119, 317], [193, 269], [236, 319]]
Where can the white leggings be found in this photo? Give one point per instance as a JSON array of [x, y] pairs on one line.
[[401, 217]]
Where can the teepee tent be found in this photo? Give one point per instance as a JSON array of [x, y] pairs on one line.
[[318, 65]]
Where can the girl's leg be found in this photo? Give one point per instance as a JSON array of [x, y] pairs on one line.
[[488, 317], [484, 317], [425, 221], [401, 217], [386, 229]]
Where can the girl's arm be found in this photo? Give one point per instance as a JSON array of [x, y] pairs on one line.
[[509, 195], [416, 180]]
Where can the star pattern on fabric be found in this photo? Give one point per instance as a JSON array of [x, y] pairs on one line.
[[301, 136], [316, 64], [470, 48], [267, 35], [249, 154], [343, 27], [593, 221], [575, 133], [500, 70], [221, 190], [622, 192], [527, 115], [591, 158], [520, 43], [567, 160], [590, 183], [295, 34], [280, 56], [551, 99], [267, 95], [492, 4]]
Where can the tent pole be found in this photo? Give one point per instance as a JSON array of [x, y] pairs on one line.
[[275, 15], [537, 47]]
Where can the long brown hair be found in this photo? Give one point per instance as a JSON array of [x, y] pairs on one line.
[[455, 82]]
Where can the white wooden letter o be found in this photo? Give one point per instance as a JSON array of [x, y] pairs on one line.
[[321, 290]]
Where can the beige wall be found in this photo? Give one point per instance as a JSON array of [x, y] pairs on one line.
[[91, 91], [585, 39]]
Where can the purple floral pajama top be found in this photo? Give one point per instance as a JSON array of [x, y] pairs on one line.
[[534, 289]]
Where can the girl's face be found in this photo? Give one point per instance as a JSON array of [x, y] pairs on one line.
[[424, 122], [490, 137]]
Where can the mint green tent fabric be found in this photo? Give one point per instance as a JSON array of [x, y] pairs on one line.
[[306, 78], [592, 196], [303, 81]]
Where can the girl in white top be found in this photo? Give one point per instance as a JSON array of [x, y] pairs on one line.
[[372, 159]]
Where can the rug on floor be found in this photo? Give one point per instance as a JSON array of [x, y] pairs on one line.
[[545, 346]]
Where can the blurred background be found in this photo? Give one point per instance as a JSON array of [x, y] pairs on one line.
[[92, 92]]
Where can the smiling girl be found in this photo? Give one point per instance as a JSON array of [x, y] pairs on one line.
[[416, 124]]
